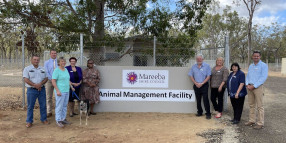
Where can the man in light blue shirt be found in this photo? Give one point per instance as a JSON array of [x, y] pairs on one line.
[[200, 74], [35, 77], [256, 76], [50, 65]]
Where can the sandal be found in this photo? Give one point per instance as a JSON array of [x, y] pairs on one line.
[[28, 125], [218, 115]]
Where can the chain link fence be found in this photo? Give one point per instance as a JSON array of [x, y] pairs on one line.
[[17, 50]]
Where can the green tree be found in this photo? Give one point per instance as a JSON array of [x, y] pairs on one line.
[[99, 18], [216, 26]]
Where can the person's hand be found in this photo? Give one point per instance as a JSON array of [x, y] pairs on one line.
[[250, 87], [236, 95], [58, 93], [198, 85], [38, 86], [220, 89], [77, 84]]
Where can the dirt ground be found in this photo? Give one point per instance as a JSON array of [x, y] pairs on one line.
[[145, 127], [103, 127], [275, 114], [108, 127]]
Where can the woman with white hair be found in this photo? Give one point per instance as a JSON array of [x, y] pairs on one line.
[[218, 84], [61, 83]]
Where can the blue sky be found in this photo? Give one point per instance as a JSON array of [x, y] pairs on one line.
[[270, 11]]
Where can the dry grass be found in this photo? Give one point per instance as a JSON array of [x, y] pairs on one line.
[[10, 98]]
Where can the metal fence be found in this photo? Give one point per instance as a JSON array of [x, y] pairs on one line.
[[131, 51]]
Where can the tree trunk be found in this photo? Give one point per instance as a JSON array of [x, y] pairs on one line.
[[268, 56], [10, 52], [98, 51], [249, 40]]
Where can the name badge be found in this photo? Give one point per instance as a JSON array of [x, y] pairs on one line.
[[202, 69], [218, 71], [71, 71]]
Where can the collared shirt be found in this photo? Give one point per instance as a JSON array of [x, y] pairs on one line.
[[63, 79], [35, 75], [257, 74], [200, 74], [49, 67]]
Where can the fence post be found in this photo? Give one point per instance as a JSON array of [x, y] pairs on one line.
[[154, 52], [226, 61], [23, 66], [81, 49]]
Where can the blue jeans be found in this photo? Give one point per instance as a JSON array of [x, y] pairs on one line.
[[61, 106], [32, 95]]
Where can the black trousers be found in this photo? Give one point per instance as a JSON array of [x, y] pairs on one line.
[[202, 92], [237, 105], [218, 104]]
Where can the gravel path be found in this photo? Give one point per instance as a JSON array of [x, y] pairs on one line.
[[275, 117]]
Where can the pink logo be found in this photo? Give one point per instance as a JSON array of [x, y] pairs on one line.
[[132, 77]]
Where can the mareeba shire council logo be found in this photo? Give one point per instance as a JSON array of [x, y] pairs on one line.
[[131, 77]]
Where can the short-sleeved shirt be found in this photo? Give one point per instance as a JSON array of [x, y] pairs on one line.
[[35, 75], [219, 76], [63, 79], [200, 74]]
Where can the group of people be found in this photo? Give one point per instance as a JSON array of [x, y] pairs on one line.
[[68, 83], [238, 86]]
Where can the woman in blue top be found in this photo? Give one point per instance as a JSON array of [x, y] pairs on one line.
[[237, 91], [61, 83], [75, 80]]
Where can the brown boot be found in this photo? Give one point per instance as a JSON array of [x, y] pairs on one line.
[[258, 127], [249, 124]]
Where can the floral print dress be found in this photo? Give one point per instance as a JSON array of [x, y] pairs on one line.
[[90, 77]]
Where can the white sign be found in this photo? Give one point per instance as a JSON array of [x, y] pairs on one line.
[[145, 78], [147, 95]]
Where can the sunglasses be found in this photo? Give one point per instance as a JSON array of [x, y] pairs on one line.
[[89, 63]]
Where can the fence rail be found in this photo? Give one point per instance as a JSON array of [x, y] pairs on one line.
[[135, 51]]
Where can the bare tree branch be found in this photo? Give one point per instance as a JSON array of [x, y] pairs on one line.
[[71, 8], [247, 6]]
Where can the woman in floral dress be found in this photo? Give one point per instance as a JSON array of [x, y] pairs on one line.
[[90, 88]]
